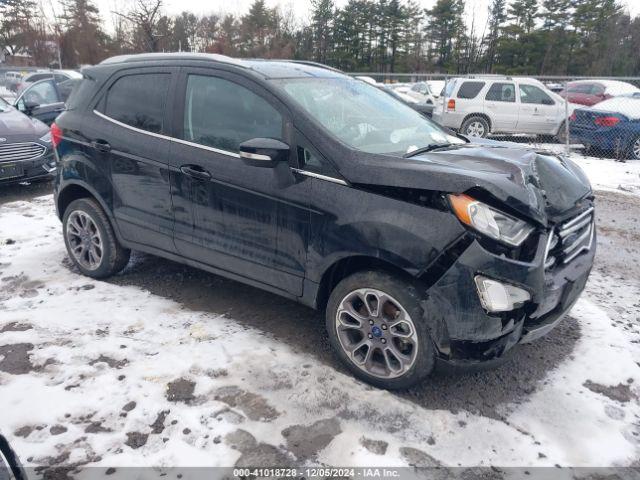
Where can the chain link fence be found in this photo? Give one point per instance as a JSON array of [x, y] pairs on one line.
[[601, 118]]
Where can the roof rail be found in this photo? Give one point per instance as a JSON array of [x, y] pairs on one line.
[[145, 57], [301, 62]]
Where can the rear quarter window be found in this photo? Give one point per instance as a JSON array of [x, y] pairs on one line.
[[80, 93], [470, 90]]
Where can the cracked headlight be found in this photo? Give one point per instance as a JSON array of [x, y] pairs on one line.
[[489, 221]]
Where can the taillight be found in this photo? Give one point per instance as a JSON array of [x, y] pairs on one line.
[[451, 104], [606, 121], [56, 135]]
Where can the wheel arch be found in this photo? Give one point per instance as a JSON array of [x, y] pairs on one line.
[[346, 266], [73, 191]]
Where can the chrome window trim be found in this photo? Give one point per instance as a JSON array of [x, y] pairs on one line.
[[319, 176], [166, 137]]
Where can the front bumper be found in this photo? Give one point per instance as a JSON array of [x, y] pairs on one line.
[[39, 168], [465, 334]]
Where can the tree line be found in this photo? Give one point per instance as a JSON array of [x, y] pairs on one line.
[[533, 37]]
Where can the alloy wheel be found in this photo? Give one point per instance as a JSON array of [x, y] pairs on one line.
[[376, 333], [475, 129], [636, 149], [84, 239]]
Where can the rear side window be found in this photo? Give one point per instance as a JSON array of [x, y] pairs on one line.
[[470, 89], [139, 100], [222, 114], [502, 92]]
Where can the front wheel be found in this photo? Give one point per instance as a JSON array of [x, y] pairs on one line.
[[91, 241], [475, 127], [377, 327]]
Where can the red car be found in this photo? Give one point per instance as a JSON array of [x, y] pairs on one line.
[[590, 92]]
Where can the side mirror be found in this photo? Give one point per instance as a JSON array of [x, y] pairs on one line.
[[264, 152]]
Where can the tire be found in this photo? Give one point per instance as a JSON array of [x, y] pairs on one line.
[[475, 127], [412, 351], [90, 240], [633, 152], [561, 136]]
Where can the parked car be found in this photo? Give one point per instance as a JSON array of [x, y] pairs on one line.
[[424, 108], [612, 125], [25, 147], [591, 92], [45, 99], [480, 106], [421, 92], [417, 244], [58, 76], [12, 79], [10, 466]]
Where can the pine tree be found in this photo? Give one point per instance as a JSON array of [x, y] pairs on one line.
[[322, 26], [84, 41], [496, 20]]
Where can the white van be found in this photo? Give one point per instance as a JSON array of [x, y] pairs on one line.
[[480, 105]]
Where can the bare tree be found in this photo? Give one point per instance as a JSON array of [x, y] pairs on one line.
[[147, 18]]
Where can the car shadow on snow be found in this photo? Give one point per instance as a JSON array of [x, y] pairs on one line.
[[24, 191], [488, 392]]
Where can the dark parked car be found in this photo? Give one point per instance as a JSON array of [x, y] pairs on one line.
[[611, 126], [321, 188], [45, 99], [25, 147]]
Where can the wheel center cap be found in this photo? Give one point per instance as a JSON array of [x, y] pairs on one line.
[[376, 331]]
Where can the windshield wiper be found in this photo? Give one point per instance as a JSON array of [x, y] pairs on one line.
[[428, 148]]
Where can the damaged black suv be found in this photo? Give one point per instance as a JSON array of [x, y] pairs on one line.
[[419, 245]]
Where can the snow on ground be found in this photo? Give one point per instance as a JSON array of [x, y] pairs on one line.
[[101, 374], [7, 95]]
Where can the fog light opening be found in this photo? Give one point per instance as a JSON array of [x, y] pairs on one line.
[[500, 297]]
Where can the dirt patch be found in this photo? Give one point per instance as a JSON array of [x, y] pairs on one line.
[[157, 426], [129, 406], [379, 447], [254, 454], [15, 327], [252, 405], [620, 393], [136, 440], [305, 441], [96, 427], [14, 359], [57, 430], [180, 390], [112, 363], [418, 458]]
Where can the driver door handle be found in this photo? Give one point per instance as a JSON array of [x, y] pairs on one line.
[[195, 171], [101, 145]]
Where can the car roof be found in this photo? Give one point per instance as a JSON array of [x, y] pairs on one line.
[[271, 69]]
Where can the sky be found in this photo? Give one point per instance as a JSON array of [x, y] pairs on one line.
[[475, 8]]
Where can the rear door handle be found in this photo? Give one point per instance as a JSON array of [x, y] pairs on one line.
[[195, 171], [101, 145]]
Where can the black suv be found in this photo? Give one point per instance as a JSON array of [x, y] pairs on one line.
[[298, 179]]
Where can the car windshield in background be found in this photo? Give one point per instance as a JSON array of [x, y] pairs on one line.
[[364, 117]]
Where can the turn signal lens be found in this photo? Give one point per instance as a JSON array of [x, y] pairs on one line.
[[489, 221], [56, 135], [606, 121]]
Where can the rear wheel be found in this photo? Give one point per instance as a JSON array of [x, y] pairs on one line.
[[634, 149], [475, 127], [376, 325], [91, 241]]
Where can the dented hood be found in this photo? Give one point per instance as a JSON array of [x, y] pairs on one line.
[[538, 184]]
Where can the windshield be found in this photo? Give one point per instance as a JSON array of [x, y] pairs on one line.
[[363, 117]]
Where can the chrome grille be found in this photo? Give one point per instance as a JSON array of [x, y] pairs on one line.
[[13, 152], [570, 239]]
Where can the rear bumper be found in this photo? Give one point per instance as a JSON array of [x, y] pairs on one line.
[[466, 335], [610, 139]]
